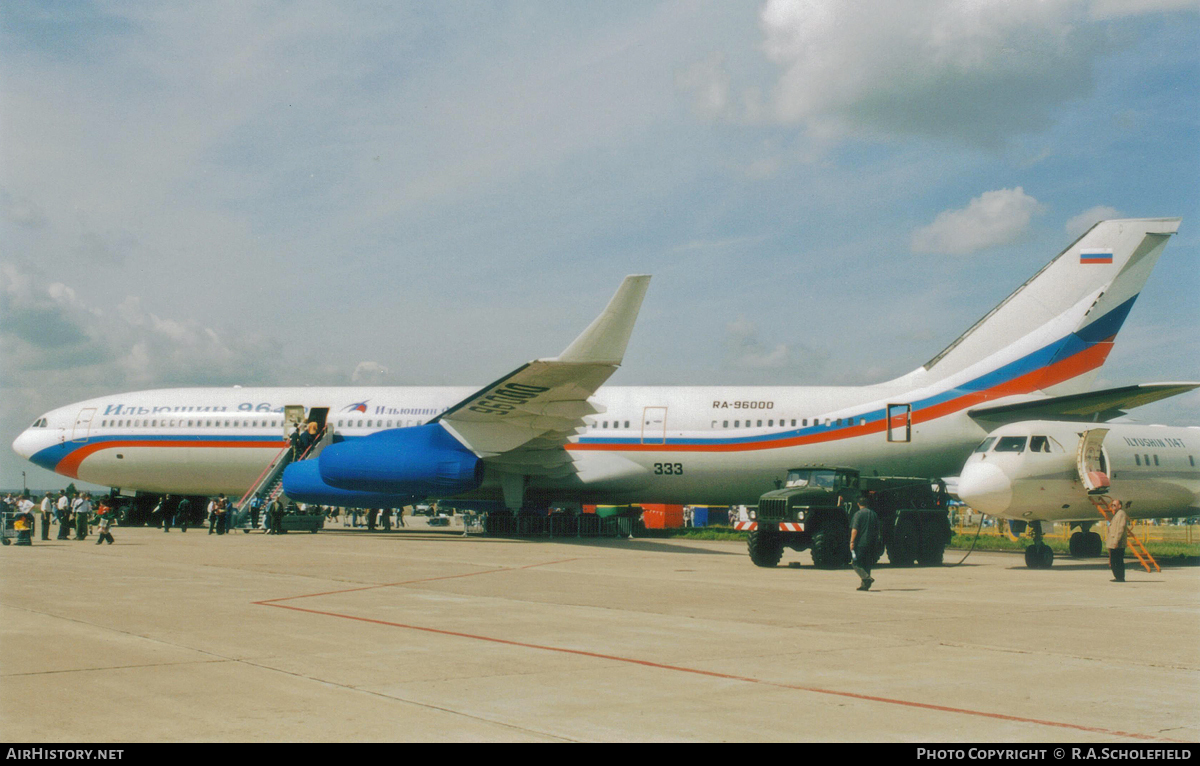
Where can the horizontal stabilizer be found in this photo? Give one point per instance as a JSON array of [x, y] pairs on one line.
[[1090, 406]]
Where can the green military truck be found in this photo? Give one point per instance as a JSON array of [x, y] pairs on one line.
[[812, 512]]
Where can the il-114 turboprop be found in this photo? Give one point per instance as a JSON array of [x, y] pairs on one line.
[[1053, 471], [550, 431]]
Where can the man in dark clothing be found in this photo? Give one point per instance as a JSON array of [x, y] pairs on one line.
[[163, 512], [864, 537], [182, 512], [275, 517]]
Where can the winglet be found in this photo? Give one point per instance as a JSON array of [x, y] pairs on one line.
[[605, 339]]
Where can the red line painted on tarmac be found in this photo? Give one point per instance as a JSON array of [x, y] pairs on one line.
[[708, 673], [273, 601]]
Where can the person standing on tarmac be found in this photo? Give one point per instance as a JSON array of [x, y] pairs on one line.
[[47, 508], [82, 509], [161, 515], [864, 536], [1118, 534], [181, 513], [275, 517], [63, 509]]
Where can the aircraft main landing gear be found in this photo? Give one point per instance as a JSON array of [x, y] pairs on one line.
[[1086, 543], [1039, 555]]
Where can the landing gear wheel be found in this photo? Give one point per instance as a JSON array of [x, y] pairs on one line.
[[766, 548], [1039, 556], [830, 546], [1032, 559], [903, 548], [1093, 545], [1077, 545], [1047, 556]]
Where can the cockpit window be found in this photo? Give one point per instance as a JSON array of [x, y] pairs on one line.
[[39, 423], [1011, 444], [1039, 444], [986, 444]]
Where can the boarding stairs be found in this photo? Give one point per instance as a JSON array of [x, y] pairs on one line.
[[1090, 461], [269, 484], [1107, 506]]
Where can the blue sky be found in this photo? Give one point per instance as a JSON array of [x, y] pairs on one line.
[[326, 193]]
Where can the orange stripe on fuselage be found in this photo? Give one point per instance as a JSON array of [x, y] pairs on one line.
[[69, 465], [1085, 361]]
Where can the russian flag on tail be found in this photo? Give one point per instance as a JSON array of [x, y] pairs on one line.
[[1095, 256]]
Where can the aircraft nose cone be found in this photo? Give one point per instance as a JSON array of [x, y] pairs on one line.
[[24, 445], [984, 487]]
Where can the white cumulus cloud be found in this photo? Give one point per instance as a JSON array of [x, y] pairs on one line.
[[1084, 221], [976, 71], [993, 218]]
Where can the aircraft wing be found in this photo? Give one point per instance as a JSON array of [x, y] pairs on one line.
[[520, 422], [1090, 406]]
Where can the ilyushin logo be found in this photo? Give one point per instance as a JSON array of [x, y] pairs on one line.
[[359, 407]]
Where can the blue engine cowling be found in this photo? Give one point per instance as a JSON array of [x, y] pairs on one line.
[[302, 482], [421, 460]]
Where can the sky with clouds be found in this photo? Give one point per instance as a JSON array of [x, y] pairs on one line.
[[264, 193]]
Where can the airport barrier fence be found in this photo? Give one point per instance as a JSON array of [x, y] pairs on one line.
[[1147, 531], [555, 525]]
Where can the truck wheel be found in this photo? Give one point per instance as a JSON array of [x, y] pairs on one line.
[[903, 548], [932, 550], [830, 546], [766, 548]]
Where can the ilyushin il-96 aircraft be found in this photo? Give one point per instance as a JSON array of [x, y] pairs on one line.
[[551, 432]]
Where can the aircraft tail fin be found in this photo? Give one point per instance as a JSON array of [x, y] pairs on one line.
[[1056, 330]]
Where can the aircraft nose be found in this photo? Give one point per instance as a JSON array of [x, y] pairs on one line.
[[24, 445], [984, 487]]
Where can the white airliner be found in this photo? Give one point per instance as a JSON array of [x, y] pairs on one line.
[[1042, 471], [547, 432]]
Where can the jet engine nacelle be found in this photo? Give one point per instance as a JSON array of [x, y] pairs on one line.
[[421, 461], [302, 482]]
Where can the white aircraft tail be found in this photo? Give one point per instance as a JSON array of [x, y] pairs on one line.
[[1056, 330]]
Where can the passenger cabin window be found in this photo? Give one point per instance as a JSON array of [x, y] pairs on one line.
[[1011, 444]]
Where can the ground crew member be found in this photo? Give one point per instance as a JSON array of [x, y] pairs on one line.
[[1118, 533], [104, 518], [63, 507], [82, 510], [182, 512], [47, 509], [864, 537], [275, 516]]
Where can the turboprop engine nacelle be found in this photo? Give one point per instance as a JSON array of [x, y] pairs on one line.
[[420, 461]]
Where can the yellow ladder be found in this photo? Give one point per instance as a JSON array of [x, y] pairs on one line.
[[1107, 507]]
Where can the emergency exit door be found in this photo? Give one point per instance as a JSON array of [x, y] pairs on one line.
[[654, 425], [899, 423]]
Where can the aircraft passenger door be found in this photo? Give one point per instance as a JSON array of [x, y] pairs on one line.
[[83, 424], [899, 422], [293, 415], [654, 425], [1090, 459]]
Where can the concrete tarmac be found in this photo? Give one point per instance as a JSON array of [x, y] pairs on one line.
[[424, 635]]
